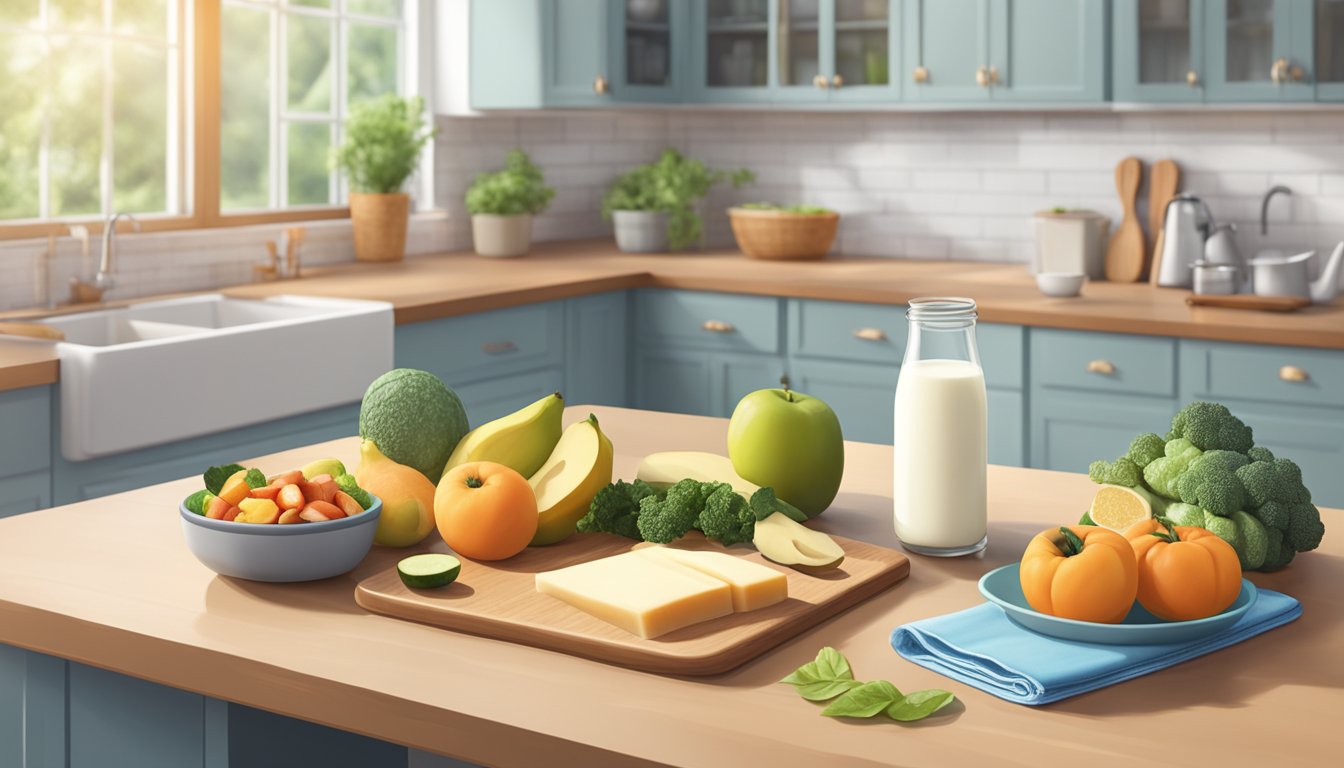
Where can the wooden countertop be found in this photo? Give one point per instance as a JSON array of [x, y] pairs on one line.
[[110, 582], [425, 288]]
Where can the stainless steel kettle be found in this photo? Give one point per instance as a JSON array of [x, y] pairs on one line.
[[1187, 225]]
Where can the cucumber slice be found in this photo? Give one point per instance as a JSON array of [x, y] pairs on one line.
[[429, 570]]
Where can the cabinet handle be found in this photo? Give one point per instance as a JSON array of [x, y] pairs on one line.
[[921, 74], [1192, 79], [1293, 373], [982, 77], [600, 85], [994, 76], [820, 81], [498, 347], [1103, 367], [1278, 71], [871, 334], [837, 81], [1297, 73], [717, 326]]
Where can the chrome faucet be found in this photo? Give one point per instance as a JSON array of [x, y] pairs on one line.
[[1264, 206], [82, 292]]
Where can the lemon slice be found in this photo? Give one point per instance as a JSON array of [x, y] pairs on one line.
[[1117, 507]]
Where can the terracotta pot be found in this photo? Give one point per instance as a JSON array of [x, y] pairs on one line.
[[495, 235], [380, 225]]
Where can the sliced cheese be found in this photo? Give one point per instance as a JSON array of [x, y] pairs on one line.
[[639, 594], [753, 585]]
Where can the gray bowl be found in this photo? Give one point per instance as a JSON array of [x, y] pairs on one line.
[[303, 552]]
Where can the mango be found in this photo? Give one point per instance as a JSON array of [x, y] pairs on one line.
[[235, 489], [262, 511]]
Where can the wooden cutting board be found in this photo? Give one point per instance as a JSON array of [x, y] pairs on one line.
[[1249, 301], [500, 600], [1124, 256]]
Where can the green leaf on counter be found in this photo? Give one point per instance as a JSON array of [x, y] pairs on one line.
[[919, 705], [865, 701], [824, 678]]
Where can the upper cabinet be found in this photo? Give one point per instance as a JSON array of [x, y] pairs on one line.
[[1005, 50], [539, 53], [1228, 50], [648, 48]]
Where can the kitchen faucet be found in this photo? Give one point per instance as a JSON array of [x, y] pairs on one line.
[[81, 291], [1264, 206]]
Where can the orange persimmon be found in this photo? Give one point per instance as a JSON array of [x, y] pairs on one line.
[[1081, 572], [485, 511], [1185, 573]]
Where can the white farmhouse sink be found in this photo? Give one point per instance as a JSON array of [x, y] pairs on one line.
[[161, 371]]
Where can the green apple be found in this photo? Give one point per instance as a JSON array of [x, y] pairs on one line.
[[790, 442]]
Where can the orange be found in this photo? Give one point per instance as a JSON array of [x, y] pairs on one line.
[[485, 511]]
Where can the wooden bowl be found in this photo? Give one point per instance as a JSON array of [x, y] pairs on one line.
[[779, 235]]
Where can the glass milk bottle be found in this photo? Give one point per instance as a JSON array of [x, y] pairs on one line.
[[938, 487]]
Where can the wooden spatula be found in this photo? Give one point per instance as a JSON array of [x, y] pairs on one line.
[[1162, 185], [1124, 257]]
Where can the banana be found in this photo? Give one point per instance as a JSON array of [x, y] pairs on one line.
[[523, 440]]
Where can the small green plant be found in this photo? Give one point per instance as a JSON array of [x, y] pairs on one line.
[[805, 210], [671, 185], [518, 188], [383, 139]]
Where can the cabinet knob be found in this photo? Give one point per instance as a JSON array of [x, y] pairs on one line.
[[820, 81], [717, 326], [871, 334], [498, 347], [1293, 373], [921, 74], [982, 77], [994, 76], [1192, 78], [600, 85], [1297, 73], [837, 81], [1278, 71], [1103, 367]]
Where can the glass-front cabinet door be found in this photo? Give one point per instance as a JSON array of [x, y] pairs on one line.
[[1328, 41], [730, 50], [863, 50], [647, 49], [1258, 50], [798, 60], [1159, 49]]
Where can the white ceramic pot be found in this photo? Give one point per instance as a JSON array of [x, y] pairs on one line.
[[501, 235], [640, 231]]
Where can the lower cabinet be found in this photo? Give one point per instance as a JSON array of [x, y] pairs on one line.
[[1070, 430], [701, 383], [25, 454], [596, 340]]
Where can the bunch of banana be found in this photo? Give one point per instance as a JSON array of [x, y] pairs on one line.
[[523, 440]]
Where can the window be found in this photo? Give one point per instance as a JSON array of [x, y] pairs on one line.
[[90, 115], [189, 113]]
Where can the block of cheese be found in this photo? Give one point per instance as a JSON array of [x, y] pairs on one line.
[[640, 594], [753, 585]]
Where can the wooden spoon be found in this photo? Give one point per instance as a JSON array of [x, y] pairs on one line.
[[1124, 257], [1162, 185], [32, 330]]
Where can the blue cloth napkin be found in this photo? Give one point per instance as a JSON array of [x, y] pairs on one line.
[[982, 648]]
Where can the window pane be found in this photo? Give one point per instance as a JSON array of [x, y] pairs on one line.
[[18, 11], [312, 3], [245, 114], [308, 41], [76, 126], [139, 128], [21, 79], [141, 17], [76, 14], [391, 8], [373, 61], [309, 144]]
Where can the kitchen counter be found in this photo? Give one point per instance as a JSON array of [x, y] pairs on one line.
[[425, 288], [110, 583]]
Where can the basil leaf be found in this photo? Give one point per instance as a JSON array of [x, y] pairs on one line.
[[919, 705], [824, 678], [865, 701], [215, 476], [823, 690]]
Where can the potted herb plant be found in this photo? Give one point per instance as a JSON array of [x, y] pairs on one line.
[[769, 231], [383, 139], [653, 206], [502, 203]]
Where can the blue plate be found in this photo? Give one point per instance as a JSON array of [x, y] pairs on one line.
[[1002, 587]]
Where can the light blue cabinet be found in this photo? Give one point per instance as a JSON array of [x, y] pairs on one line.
[[947, 50], [527, 54], [1258, 50], [25, 454], [648, 50], [1157, 50], [596, 341]]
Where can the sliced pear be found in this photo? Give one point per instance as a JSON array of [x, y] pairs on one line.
[[565, 485], [791, 543]]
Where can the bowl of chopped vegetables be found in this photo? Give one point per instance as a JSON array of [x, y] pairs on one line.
[[774, 232], [283, 528]]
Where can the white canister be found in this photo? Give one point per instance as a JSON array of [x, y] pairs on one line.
[[1071, 241]]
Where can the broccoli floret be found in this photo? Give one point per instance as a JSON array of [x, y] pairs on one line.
[[1277, 480], [615, 509], [1274, 514], [195, 503], [1146, 448], [1277, 551], [1211, 426], [1122, 471], [1252, 541], [1260, 453], [1181, 513], [1222, 527], [1211, 484], [1305, 528], [1231, 460], [1161, 474], [727, 517], [666, 519], [255, 479], [764, 503], [347, 483]]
